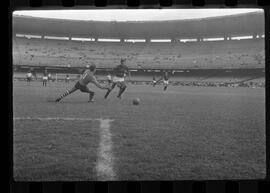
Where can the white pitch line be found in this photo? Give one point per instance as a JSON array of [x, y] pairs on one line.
[[57, 119], [105, 163]]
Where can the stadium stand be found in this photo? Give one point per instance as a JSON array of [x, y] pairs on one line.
[[192, 55], [201, 62]]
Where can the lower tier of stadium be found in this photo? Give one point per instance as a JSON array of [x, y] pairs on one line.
[[194, 55]]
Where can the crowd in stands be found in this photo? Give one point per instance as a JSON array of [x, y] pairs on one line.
[[233, 54], [218, 54], [222, 84]]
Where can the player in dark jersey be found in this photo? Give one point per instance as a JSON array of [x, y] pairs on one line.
[[119, 74], [87, 77]]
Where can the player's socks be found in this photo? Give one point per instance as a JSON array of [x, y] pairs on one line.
[[91, 96], [107, 94], [121, 92], [118, 96], [109, 91], [62, 96]]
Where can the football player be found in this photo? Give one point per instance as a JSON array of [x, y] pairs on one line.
[[119, 74], [87, 77]]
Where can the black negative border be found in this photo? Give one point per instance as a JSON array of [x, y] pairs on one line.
[[230, 186]]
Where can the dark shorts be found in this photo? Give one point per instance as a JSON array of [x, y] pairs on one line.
[[82, 88], [28, 78]]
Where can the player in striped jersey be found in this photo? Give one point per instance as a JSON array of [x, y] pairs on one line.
[[87, 77]]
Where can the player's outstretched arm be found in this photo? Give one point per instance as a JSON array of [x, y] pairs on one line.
[[159, 79], [95, 82]]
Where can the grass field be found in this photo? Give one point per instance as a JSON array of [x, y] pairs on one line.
[[182, 134]]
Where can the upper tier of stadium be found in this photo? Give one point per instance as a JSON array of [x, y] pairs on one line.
[[221, 26]]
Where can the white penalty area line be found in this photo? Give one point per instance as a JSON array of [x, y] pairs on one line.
[[105, 161], [59, 119]]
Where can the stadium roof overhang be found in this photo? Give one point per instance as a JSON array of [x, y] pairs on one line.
[[241, 24]]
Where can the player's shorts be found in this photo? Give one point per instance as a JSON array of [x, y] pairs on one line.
[[82, 88], [154, 81], [166, 82], [28, 78], [45, 78], [117, 79]]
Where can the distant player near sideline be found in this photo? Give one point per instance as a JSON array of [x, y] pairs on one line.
[[154, 81], [44, 79], [49, 77], [165, 79], [67, 79], [119, 74], [28, 77], [87, 77]]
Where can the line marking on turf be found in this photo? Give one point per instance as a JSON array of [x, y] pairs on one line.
[[58, 119], [105, 163], [104, 167]]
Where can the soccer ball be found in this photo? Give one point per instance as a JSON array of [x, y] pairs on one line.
[[136, 101]]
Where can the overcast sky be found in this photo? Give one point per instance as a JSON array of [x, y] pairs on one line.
[[134, 14]]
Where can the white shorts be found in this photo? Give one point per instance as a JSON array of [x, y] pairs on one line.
[[154, 81], [116, 79], [45, 78], [166, 82]]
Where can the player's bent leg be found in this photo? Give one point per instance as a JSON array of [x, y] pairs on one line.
[[165, 87], [122, 87], [108, 92], [91, 93]]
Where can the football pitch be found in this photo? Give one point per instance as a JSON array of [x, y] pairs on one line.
[[183, 133]]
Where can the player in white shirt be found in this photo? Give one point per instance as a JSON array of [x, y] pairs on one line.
[[44, 79], [28, 77], [67, 79], [154, 81]]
